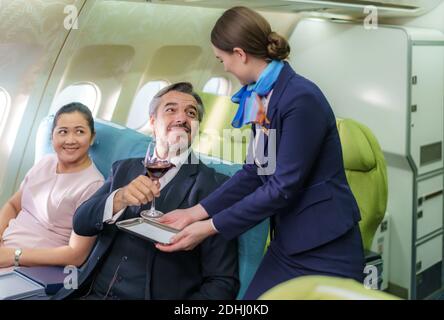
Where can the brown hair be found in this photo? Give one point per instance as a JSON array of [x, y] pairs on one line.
[[246, 29]]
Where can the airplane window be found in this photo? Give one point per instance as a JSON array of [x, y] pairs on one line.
[[83, 92], [138, 116], [5, 101], [219, 86]]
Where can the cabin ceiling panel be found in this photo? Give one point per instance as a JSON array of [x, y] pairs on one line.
[[172, 58], [139, 24], [352, 8], [38, 22]]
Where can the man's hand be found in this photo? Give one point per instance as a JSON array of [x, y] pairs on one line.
[[181, 218], [138, 192], [190, 237]]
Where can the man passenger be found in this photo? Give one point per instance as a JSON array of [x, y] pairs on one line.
[[123, 266]]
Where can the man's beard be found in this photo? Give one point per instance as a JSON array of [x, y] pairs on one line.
[[179, 144]]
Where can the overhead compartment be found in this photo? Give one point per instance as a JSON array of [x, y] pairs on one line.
[[352, 8]]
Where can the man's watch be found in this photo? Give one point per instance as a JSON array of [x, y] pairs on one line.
[[17, 254]]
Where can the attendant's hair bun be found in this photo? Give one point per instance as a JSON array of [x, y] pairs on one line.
[[278, 47]]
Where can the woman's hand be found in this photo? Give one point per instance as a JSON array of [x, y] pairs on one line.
[[181, 218], [177, 219], [189, 237], [6, 257]]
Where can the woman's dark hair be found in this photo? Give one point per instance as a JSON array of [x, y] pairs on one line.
[[75, 107], [246, 29]]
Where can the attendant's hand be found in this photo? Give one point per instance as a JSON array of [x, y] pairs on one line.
[[177, 219], [190, 237], [138, 192], [6, 257], [181, 218]]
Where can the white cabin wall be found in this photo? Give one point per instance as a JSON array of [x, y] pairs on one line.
[[154, 32], [31, 35]]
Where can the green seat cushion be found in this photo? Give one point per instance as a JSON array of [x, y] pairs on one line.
[[323, 288], [357, 151], [366, 173]]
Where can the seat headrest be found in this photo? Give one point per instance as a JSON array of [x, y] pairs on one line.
[[112, 143], [219, 111], [356, 147]]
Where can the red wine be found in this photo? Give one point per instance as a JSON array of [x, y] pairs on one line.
[[157, 170]]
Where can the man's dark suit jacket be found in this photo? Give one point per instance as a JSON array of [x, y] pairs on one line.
[[209, 271]]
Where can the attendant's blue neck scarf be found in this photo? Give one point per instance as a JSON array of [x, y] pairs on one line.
[[248, 97]]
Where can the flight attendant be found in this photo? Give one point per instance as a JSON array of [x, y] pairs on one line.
[[313, 214]]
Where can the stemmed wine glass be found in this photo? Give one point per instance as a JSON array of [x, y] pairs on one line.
[[155, 169]]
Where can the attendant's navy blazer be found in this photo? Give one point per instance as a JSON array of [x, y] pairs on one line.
[[312, 208]]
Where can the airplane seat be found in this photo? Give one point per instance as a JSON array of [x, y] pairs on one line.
[[323, 288], [114, 142], [366, 173]]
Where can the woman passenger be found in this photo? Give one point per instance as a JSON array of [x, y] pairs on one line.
[[36, 222]]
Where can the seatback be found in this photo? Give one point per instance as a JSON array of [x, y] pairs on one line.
[[323, 288], [366, 173], [114, 142]]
